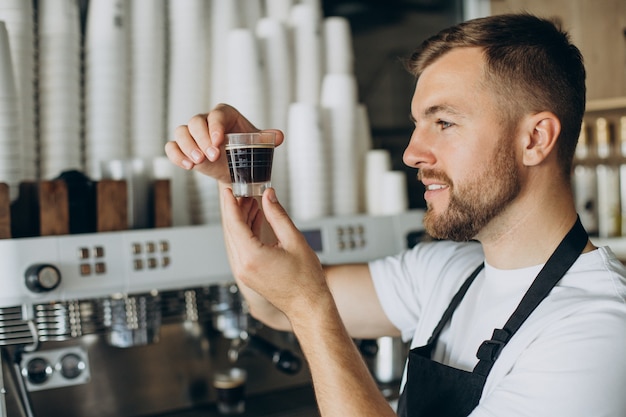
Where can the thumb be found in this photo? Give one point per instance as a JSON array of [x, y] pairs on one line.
[[278, 219]]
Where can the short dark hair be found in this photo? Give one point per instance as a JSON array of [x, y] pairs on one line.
[[531, 64]]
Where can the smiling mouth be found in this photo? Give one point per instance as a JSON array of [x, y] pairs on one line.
[[434, 187]]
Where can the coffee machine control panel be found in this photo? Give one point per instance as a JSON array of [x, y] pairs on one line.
[[362, 238], [70, 267]]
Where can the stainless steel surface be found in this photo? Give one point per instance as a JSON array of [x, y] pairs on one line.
[[171, 375], [292, 402], [387, 365]]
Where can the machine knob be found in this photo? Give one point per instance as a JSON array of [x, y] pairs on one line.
[[37, 370], [42, 277]]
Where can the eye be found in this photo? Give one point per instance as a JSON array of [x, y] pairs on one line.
[[444, 124]]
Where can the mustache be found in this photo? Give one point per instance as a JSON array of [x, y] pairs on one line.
[[433, 174]]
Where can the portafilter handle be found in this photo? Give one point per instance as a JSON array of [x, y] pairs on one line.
[[368, 347], [283, 359]]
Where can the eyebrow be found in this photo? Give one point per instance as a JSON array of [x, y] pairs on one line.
[[438, 108]]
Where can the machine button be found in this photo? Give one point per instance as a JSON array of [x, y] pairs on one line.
[[150, 247], [100, 268], [85, 269], [37, 370], [152, 263], [98, 252], [83, 253], [138, 264], [42, 277], [71, 366], [136, 248], [165, 262], [164, 246]]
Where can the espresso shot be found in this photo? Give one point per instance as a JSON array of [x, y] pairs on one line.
[[250, 157]]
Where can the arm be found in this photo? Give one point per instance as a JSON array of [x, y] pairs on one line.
[[288, 274]]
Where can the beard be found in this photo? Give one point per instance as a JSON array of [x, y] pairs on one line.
[[475, 203]]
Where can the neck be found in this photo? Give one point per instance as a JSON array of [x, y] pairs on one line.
[[528, 232]]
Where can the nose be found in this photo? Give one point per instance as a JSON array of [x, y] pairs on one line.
[[417, 153]]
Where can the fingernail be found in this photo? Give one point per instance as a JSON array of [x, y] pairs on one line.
[[187, 164], [211, 152], [272, 196], [196, 155]]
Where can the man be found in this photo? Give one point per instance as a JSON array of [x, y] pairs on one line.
[[499, 325]]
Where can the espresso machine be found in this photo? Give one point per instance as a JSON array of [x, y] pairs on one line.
[[136, 322]]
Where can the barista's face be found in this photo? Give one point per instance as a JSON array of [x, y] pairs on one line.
[[466, 157]]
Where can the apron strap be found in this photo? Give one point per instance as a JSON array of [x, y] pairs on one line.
[[456, 300], [555, 268]]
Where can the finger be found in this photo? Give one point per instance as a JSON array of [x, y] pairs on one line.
[[257, 223], [177, 156], [199, 131], [231, 216], [249, 208], [186, 138], [237, 231], [284, 229], [225, 119]]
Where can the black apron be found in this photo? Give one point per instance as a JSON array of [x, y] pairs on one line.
[[436, 390]]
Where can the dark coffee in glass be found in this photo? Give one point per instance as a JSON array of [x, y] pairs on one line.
[[250, 158]]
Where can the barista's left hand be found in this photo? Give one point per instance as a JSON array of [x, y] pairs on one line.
[[288, 273]]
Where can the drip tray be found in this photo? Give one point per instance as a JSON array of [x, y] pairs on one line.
[[293, 402]]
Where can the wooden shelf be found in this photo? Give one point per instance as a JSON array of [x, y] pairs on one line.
[[606, 104], [613, 108]]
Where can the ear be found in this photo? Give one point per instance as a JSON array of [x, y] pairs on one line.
[[541, 132]]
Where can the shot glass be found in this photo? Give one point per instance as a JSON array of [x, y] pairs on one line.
[[230, 387], [250, 157]]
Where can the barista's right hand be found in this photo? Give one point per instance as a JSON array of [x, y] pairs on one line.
[[200, 144]]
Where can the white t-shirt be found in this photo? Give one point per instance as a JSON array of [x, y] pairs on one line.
[[567, 359]]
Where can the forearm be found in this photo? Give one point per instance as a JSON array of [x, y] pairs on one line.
[[343, 384]]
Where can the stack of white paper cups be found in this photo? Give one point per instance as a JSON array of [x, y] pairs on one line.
[[106, 84], [339, 103], [147, 79], [377, 163], [394, 193], [278, 9], [308, 163], [59, 87], [338, 46], [276, 53], [10, 133], [188, 94], [305, 22], [223, 17], [18, 16], [246, 77]]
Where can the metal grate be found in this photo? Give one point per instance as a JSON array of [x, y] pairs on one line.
[[14, 329]]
